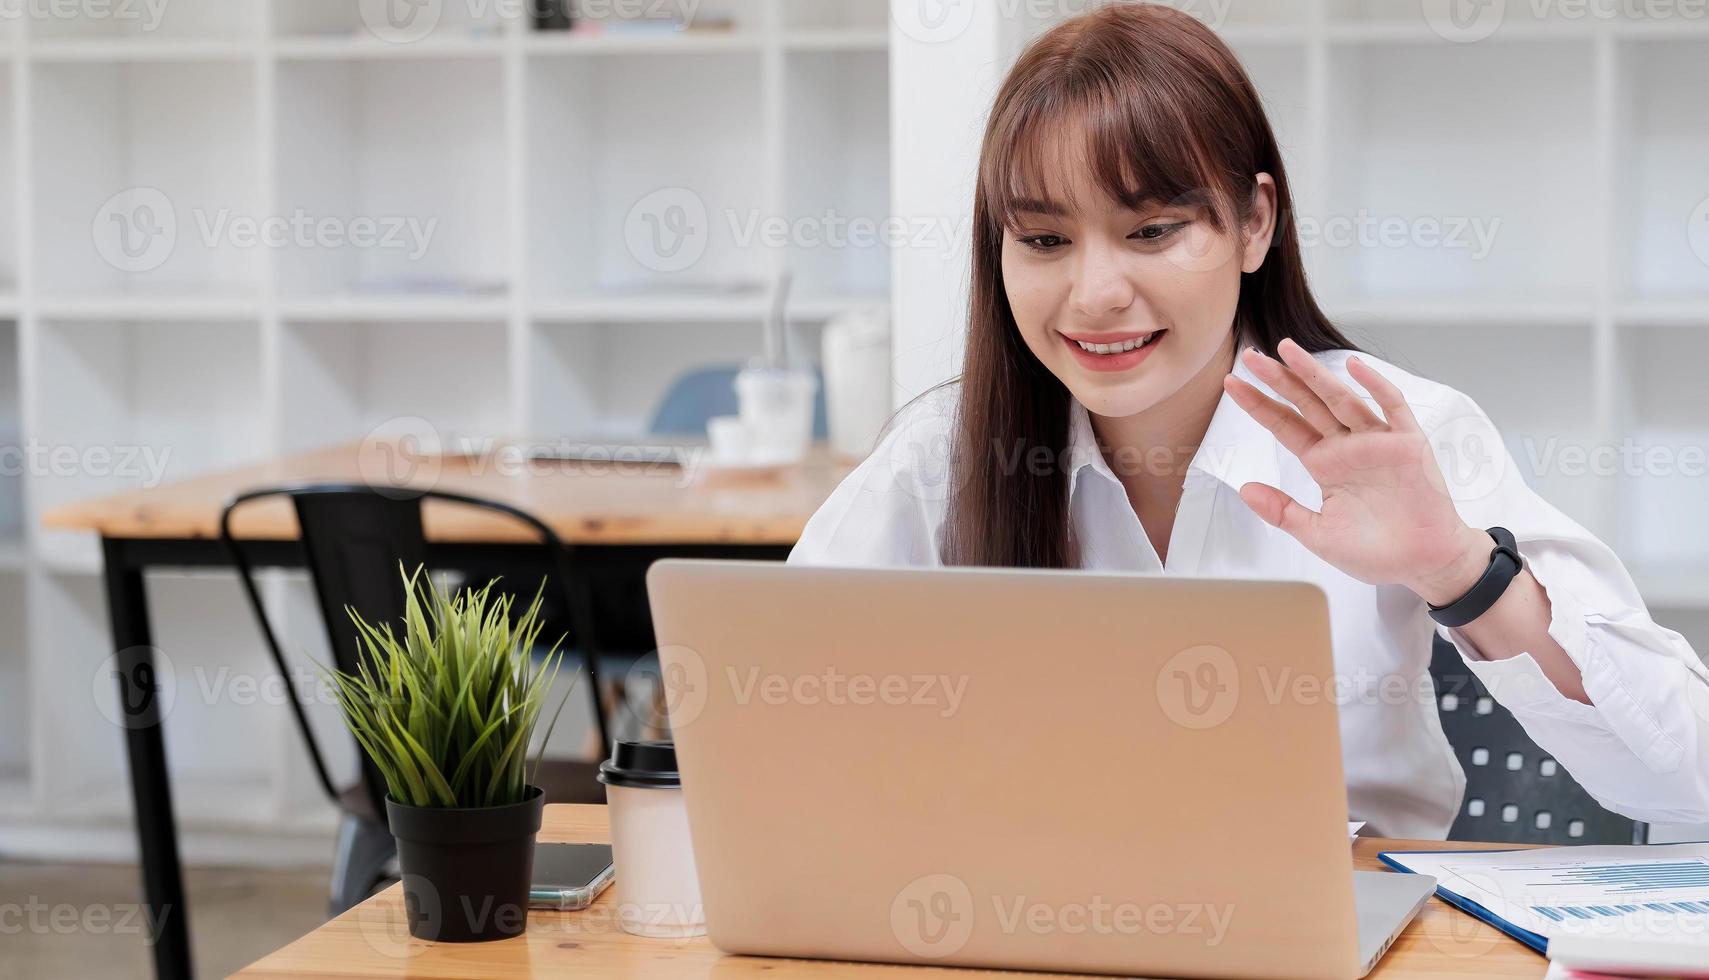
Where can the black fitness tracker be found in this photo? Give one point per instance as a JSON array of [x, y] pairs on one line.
[[1504, 565]]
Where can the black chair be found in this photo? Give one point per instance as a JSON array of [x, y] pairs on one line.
[[1515, 792], [354, 539]]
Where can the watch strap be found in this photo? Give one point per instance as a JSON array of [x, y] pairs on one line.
[[1505, 564]]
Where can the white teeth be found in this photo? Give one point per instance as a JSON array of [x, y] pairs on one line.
[[1120, 348]]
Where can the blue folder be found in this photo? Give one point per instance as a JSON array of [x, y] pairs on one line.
[[1464, 904]]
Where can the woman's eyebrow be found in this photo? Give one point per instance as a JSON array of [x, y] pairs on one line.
[[1027, 205]]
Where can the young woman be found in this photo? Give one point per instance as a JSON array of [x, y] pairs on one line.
[[1150, 387]]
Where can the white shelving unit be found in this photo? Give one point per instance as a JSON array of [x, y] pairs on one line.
[[555, 167], [519, 303]]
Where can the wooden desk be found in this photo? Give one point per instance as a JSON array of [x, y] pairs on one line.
[[372, 940], [616, 517], [585, 503]]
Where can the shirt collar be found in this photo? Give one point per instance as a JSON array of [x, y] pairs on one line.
[[1236, 449]]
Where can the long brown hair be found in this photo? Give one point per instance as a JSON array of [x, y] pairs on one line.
[[1169, 114]]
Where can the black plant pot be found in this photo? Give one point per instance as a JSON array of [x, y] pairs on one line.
[[466, 872]]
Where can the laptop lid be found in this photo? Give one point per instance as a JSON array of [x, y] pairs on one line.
[[1054, 770]]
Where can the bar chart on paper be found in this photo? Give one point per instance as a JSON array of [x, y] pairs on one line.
[[1658, 892]]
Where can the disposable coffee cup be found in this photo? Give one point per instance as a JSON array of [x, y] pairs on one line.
[[657, 888]]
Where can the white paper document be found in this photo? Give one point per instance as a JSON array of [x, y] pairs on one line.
[[1654, 892]]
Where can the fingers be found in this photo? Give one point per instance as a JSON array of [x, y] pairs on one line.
[[1277, 509], [1395, 409], [1285, 383], [1285, 423], [1349, 409]]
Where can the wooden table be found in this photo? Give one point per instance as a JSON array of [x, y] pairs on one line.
[[617, 516], [372, 940]]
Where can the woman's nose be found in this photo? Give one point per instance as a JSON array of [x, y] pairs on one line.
[[1102, 285]]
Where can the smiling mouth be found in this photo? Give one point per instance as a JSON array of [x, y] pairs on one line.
[[1120, 346], [1113, 347]]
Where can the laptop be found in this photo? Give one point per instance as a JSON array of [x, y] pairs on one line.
[[1011, 769]]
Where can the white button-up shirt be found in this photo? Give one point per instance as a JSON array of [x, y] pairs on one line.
[[1642, 749]]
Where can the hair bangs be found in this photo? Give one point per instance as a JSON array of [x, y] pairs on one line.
[[1113, 133]]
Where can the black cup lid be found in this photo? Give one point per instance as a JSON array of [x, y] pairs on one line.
[[644, 764]]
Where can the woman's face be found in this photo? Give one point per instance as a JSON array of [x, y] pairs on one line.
[[1111, 277]]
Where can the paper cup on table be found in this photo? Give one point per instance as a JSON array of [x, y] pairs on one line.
[[657, 888], [728, 439], [776, 406]]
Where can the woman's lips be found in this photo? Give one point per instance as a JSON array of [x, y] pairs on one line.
[[1112, 362]]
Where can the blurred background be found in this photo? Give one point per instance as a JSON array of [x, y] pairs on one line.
[[232, 230]]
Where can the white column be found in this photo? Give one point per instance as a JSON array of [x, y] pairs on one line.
[[947, 58]]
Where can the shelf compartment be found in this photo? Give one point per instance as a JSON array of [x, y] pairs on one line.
[[726, 307], [638, 181], [838, 14], [146, 22], [837, 148], [1664, 221], [143, 173], [411, 200], [608, 378], [1543, 428], [129, 405], [401, 26], [341, 380], [1429, 199], [210, 667], [1664, 414]]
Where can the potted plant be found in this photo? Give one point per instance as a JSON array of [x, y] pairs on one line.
[[446, 711]]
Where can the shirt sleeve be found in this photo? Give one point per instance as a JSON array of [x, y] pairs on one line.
[[889, 511], [1642, 747]]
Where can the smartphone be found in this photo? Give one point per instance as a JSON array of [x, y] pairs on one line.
[[569, 876]]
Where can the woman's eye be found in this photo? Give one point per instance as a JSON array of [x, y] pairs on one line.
[[1156, 233], [1043, 243]]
